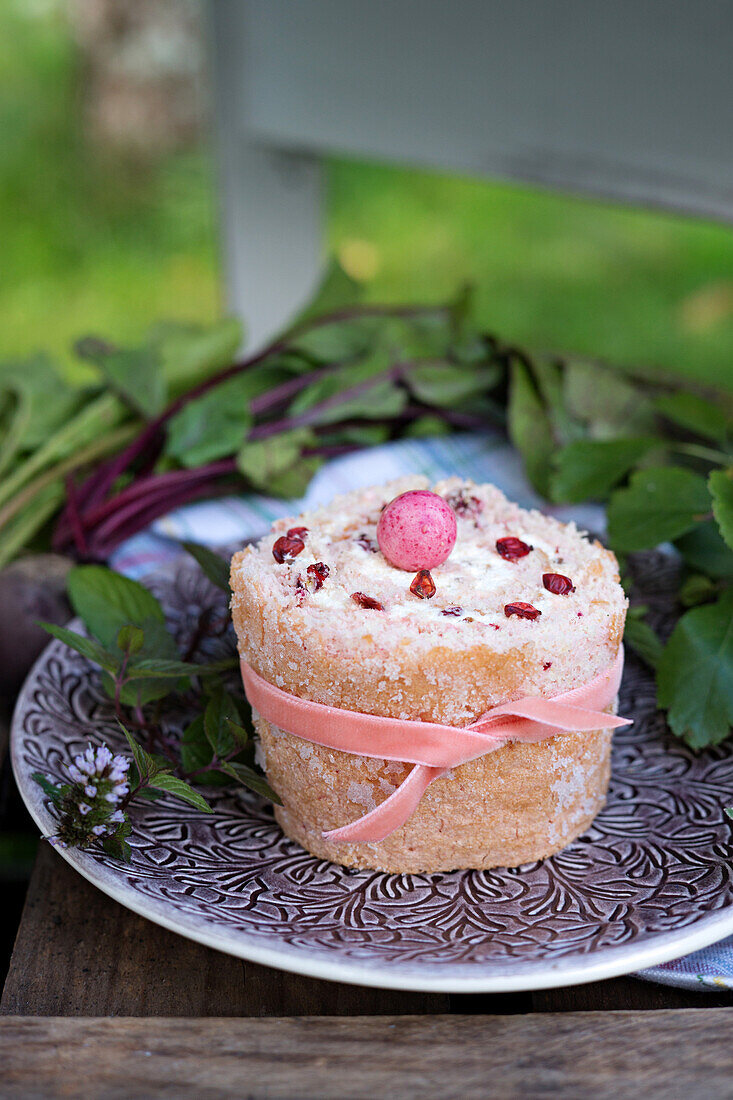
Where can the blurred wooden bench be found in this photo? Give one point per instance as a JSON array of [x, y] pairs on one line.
[[629, 101]]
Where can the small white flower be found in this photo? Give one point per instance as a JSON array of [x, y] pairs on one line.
[[99, 830], [75, 775], [122, 790], [118, 817], [84, 765], [90, 791], [112, 797], [104, 757], [121, 762], [84, 809], [57, 842]]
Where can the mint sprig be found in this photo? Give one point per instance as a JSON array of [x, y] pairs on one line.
[[143, 672]]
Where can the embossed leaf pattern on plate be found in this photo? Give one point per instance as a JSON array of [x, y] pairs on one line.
[[656, 861]]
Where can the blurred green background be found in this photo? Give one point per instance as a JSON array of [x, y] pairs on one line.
[[108, 213]]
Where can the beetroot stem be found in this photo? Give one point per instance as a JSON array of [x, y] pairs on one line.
[[86, 508], [135, 519]]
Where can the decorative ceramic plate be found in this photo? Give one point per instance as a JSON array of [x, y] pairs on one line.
[[650, 881]]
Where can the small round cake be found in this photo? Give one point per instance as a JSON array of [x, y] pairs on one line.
[[523, 606]]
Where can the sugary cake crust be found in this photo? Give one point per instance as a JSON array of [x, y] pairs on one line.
[[520, 803]]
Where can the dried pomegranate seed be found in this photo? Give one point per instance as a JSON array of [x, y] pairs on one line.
[[298, 533], [423, 585], [318, 571], [546, 665], [463, 504], [456, 610], [522, 610], [286, 548], [512, 549], [366, 543], [555, 582], [367, 602], [300, 590]]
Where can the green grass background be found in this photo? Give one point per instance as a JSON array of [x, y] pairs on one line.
[[95, 241]]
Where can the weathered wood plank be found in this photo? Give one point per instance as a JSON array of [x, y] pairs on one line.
[[603, 1055], [279, 993], [80, 953]]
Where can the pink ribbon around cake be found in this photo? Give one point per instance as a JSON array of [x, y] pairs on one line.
[[432, 747]]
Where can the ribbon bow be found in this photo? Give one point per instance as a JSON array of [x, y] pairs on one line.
[[431, 746]]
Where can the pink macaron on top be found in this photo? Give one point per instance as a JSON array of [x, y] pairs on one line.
[[417, 530]]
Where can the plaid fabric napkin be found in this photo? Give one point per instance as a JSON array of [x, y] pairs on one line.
[[488, 458]]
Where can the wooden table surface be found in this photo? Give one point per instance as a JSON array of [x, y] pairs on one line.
[[98, 1002]]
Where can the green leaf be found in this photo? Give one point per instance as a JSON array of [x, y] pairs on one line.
[[362, 389], [720, 484], [697, 415], [549, 377], [136, 374], [212, 426], [424, 336], [425, 427], [365, 390], [53, 791], [660, 503], [221, 710], [147, 794], [446, 384], [704, 549], [117, 847], [130, 639], [336, 290], [192, 352], [171, 784], [291, 484], [213, 778], [610, 404], [88, 648], [363, 435], [339, 341], [151, 667], [529, 427], [589, 468], [695, 674], [47, 401], [212, 565], [240, 734], [251, 779], [196, 752], [697, 589], [147, 766], [643, 640], [106, 601], [149, 681], [264, 460], [380, 401]]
